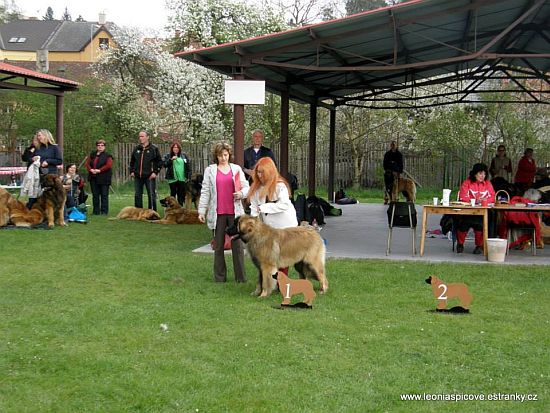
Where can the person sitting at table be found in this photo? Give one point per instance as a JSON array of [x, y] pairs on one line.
[[478, 187], [521, 218]]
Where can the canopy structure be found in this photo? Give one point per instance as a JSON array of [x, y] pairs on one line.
[[392, 54], [18, 78]]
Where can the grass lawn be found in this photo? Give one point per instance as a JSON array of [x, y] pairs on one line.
[[81, 308]]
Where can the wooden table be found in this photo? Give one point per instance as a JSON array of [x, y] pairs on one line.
[[455, 210], [477, 210]]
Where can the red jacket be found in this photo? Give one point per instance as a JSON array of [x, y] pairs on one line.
[[476, 190], [526, 171]]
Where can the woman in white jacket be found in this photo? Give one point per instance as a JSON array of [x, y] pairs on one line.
[[269, 197], [223, 188]]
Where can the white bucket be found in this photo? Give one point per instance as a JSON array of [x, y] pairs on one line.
[[496, 249]]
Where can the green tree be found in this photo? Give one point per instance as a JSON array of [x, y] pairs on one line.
[[358, 6], [66, 15], [211, 22], [49, 14]]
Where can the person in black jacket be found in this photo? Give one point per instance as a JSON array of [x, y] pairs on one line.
[[178, 171], [393, 167], [99, 165], [255, 152], [145, 165]]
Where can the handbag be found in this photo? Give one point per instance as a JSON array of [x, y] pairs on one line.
[[226, 243]]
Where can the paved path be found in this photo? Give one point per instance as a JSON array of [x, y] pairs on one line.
[[362, 232]]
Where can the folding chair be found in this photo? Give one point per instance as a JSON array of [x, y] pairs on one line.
[[402, 215]]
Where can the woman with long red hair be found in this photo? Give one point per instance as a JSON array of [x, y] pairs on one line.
[[269, 196]]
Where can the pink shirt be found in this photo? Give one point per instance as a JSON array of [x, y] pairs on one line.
[[224, 189]]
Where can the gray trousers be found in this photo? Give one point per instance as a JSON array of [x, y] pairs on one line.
[[237, 251]]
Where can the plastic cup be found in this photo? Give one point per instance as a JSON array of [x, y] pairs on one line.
[[472, 202], [436, 200], [484, 202]]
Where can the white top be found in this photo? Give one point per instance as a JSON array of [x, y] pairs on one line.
[[279, 212]]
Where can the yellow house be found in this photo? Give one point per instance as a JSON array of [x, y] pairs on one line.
[[45, 41]]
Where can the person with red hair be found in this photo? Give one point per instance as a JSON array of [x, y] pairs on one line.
[[269, 196]]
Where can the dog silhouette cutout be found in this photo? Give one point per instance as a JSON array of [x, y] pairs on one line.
[[443, 292], [289, 287]]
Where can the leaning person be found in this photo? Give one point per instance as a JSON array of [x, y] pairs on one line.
[[99, 165], [478, 187], [223, 187], [269, 197]]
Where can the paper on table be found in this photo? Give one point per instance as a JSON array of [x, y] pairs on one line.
[[238, 185]]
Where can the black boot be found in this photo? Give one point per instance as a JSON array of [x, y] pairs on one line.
[[459, 248]]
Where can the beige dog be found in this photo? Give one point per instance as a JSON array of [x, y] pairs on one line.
[[443, 292], [130, 213], [271, 248], [290, 287], [175, 214]]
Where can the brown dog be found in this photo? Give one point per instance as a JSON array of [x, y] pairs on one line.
[[443, 292], [130, 213], [193, 190], [271, 248], [48, 206], [175, 214], [290, 287], [405, 186]]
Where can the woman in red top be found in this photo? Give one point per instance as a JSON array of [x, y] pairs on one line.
[[477, 187], [525, 173]]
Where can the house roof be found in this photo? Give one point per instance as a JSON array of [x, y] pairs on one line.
[[53, 35], [14, 77], [393, 52]]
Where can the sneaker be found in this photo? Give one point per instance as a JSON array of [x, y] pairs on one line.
[[478, 250], [459, 248]]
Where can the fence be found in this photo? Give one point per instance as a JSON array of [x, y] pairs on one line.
[[427, 169]]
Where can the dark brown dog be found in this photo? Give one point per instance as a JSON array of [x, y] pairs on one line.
[[175, 214], [271, 248], [130, 213], [444, 292], [193, 190], [289, 287]]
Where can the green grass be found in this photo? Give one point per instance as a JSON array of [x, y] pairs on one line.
[[81, 307]]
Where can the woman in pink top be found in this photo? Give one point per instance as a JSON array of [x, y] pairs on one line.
[[223, 187]]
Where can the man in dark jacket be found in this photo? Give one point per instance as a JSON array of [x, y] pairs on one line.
[[255, 152], [145, 165], [393, 167]]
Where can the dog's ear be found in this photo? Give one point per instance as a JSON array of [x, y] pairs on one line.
[[429, 280]]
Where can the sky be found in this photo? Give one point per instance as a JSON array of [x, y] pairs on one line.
[[147, 15]]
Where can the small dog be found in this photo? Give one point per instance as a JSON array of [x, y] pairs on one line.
[[443, 292], [290, 287], [130, 213]]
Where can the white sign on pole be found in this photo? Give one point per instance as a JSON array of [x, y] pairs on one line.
[[245, 92]]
